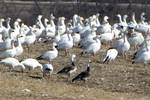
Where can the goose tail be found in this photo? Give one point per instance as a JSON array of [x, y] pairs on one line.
[[106, 59], [39, 58], [76, 78]]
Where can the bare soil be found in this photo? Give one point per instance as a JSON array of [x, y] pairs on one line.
[[118, 80]]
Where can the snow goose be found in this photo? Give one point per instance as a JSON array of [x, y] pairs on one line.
[[61, 27], [122, 45], [66, 42], [30, 38], [135, 38], [76, 38], [19, 48], [16, 30], [69, 69], [8, 53], [143, 19], [49, 55], [105, 26], [12, 63], [50, 28], [31, 64], [39, 28], [2, 27], [7, 30], [107, 37], [145, 46], [24, 29], [111, 54], [93, 47], [75, 20], [47, 69], [79, 25], [84, 75], [97, 20], [6, 44], [89, 35], [142, 56]]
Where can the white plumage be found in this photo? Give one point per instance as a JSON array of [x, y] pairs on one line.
[[110, 55], [12, 62], [31, 63], [93, 47], [47, 69], [49, 55]]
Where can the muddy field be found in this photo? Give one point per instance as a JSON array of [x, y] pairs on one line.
[[119, 80]]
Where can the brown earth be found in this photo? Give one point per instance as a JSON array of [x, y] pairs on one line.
[[119, 80]]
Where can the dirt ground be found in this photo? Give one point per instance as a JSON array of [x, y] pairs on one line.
[[118, 80]]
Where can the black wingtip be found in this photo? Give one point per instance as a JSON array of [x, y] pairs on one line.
[[133, 62], [105, 60], [39, 58]]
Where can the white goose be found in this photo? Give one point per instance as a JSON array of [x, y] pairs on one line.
[[142, 56], [38, 29], [7, 30], [2, 27], [93, 47], [30, 38], [76, 38], [145, 46], [6, 44], [19, 48], [135, 38], [105, 26], [61, 27], [88, 38], [31, 63], [24, 29], [78, 24], [122, 45], [110, 55], [49, 55], [16, 31], [8, 53], [50, 28], [12, 63], [66, 42], [47, 69]]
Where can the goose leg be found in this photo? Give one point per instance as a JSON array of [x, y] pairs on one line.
[[126, 56]]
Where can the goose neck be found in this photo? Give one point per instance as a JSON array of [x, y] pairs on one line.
[[1, 23], [52, 22], [41, 24], [8, 24], [120, 20], [46, 23]]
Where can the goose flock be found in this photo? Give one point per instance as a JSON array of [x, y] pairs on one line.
[[90, 35]]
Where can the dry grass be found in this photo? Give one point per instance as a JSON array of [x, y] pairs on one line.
[[119, 80]]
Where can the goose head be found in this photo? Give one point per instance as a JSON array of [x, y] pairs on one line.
[[46, 20], [106, 18], [124, 18], [73, 56], [8, 19], [52, 17], [120, 19], [54, 45], [93, 28], [118, 15], [18, 20], [61, 21], [2, 20], [142, 16], [39, 17], [97, 15], [22, 66]]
